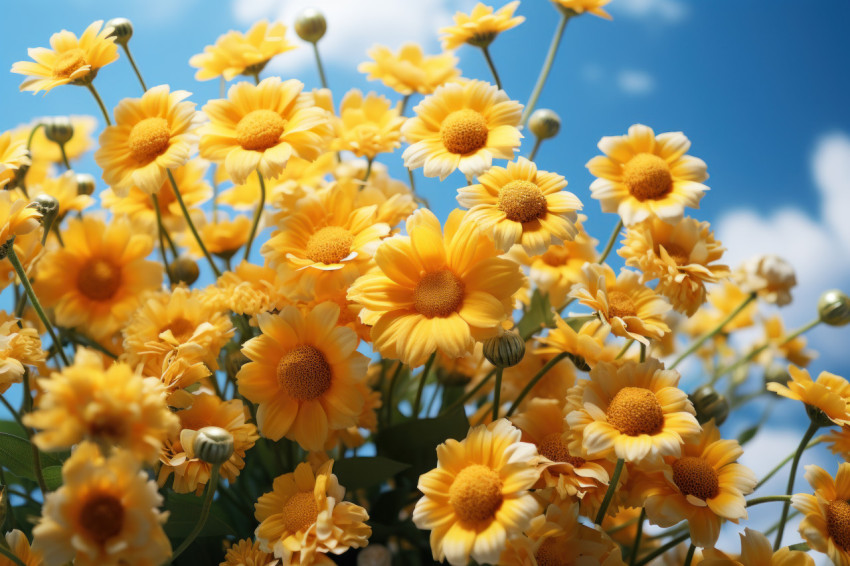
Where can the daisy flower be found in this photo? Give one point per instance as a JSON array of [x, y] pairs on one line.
[[236, 54], [18, 347], [247, 553], [581, 6], [222, 236], [13, 156], [770, 276], [64, 189], [367, 126], [587, 344], [17, 218], [829, 393], [756, 550], [409, 70], [17, 542], [481, 26], [826, 513]]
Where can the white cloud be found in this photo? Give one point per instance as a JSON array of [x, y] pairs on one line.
[[635, 82], [831, 164], [668, 11]]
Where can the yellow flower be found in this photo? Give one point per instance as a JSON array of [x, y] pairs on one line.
[[462, 126], [222, 236], [261, 127], [249, 289], [588, 344], [303, 375], [554, 384], [679, 255], [70, 60], [478, 495], [96, 280], [177, 374], [435, 291], [13, 156], [305, 516], [106, 512], [367, 126], [629, 308], [236, 54], [704, 486], [17, 542], [768, 275], [16, 216], [794, 350], [247, 553], [18, 347], [825, 526], [64, 189], [112, 407], [393, 198], [521, 205], [151, 135], [410, 70], [191, 473], [644, 176], [481, 26], [756, 550], [28, 248], [723, 298], [634, 412], [829, 393], [580, 6]]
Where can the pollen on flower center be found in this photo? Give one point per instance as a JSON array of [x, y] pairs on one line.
[[102, 517], [181, 328], [149, 139], [838, 522], [553, 447], [677, 253], [476, 493], [329, 245], [439, 293], [635, 411], [464, 131], [300, 511], [99, 279], [522, 201], [556, 256], [68, 62], [259, 130], [647, 177], [694, 476], [304, 373], [620, 304], [554, 552], [108, 428]]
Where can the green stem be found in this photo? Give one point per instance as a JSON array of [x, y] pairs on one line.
[[36, 455], [642, 352], [417, 404], [662, 549], [64, 156], [258, 214], [462, 401], [191, 224], [212, 484], [403, 106], [11, 556], [19, 269], [611, 240], [390, 389], [490, 64], [609, 494], [781, 464], [160, 231], [767, 499], [99, 101], [636, 545], [800, 546], [690, 557], [696, 345], [530, 385], [15, 414], [32, 133], [810, 432], [319, 65], [533, 154], [625, 348], [497, 393], [368, 169], [547, 65], [126, 47]]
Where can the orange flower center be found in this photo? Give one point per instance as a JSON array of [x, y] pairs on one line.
[[694, 476], [68, 62], [439, 293], [635, 411], [522, 201], [556, 256], [102, 517], [304, 373], [149, 139], [620, 304], [677, 253], [109, 428], [476, 493], [838, 522], [329, 245], [554, 552], [464, 131], [99, 279], [553, 447], [181, 328], [300, 511], [259, 130], [647, 177]]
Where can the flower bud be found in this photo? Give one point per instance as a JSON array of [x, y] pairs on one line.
[[59, 129], [310, 25], [122, 30], [709, 404], [48, 207], [85, 183], [375, 555], [834, 308], [184, 269], [544, 123], [504, 351], [213, 445]]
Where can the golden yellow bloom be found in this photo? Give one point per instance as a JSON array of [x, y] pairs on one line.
[[794, 350], [305, 516], [106, 512], [367, 126], [151, 135], [393, 198], [587, 344], [16, 216], [191, 473], [481, 26], [178, 373], [435, 291], [829, 393], [410, 70], [768, 275], [70, 60], [95, 282], [704, 486], [644, 176], [64, 189], [634, 412], [723, 298], [18, 347], [303, 375], [13, 156], [679, 255], [28, 248], [756, 550], [249, 289], [581, 6], [629, 308], [462, 126], [554, 384], [45, 151], [112, 407], [521, 205], [17, 542], [247, 553], [825, 525], [236, 54], [261, 127], [222, 236], [478, 495]]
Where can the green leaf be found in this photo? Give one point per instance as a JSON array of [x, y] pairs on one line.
[[13, 428], [16, 456], [364, 472], [52, 477], [539, 315], [185, 509], [414, 442], [747, 435]]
